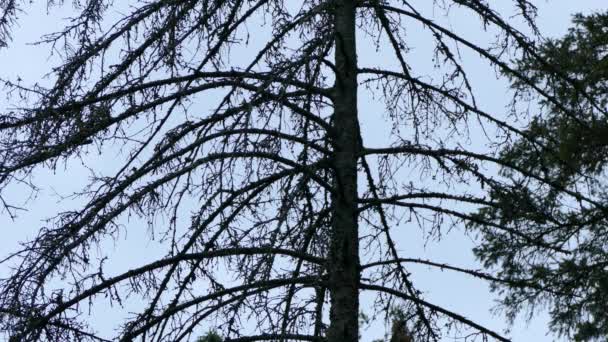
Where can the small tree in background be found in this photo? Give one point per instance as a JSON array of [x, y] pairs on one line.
[[211, 336], [274, 212]]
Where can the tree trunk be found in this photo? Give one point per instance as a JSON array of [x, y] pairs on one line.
[[344, 250]]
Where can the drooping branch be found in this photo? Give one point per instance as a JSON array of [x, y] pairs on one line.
[[435, 308]]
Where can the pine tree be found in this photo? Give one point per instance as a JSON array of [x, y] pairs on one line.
[[242, 149], [571, 212]]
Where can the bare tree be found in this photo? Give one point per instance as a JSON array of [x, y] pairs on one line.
[[275, 210]]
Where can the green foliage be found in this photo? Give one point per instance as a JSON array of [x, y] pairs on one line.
[[555, 243], [574, 71], [211, 336]]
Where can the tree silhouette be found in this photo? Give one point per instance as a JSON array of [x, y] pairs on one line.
[[210, 337], [574, 157], [273, 211]]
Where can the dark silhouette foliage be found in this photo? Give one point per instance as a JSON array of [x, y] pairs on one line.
[[231, 129], [573, 128]]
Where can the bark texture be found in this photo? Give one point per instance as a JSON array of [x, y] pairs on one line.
[[344, 251]]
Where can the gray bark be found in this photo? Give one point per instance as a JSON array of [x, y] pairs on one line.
[[344, 249]]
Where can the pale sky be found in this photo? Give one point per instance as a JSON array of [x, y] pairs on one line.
[[457, 292]]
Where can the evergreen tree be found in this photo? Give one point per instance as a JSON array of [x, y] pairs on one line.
[[243, 150], [571, 212], [211, 336]]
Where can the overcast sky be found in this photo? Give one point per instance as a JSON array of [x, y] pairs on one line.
[[457, 292]]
